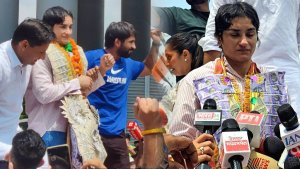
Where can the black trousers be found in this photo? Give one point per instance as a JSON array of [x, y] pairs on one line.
[[117, 151]]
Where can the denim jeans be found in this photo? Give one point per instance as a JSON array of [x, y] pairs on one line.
[[53, 138]]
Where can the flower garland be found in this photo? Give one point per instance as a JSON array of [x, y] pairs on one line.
[[75, 62]]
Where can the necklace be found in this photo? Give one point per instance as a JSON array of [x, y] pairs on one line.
[[244, 102], [74, 61]]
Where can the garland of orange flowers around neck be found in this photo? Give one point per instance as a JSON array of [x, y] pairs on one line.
[[75, 62]]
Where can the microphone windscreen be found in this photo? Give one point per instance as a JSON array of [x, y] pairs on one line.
[[230, 125], [292, 163], [255, 112], [273, 147], [210, 104], [288, 116]]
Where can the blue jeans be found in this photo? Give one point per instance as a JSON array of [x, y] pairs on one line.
[[53, 138]]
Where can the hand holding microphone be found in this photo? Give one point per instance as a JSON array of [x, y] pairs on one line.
[[205, 147], [134, 130], [207, 120], [182, 150]]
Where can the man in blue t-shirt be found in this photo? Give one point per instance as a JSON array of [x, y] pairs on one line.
[[111, 98]]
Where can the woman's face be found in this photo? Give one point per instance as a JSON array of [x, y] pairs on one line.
[[179, 64], [63, 31], [239, 40]]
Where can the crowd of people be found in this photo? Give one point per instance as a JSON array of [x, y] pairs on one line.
[[78, 99]]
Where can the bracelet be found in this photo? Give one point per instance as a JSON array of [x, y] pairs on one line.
[[153, 131]]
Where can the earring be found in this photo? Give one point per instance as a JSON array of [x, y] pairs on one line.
[[185, 60]]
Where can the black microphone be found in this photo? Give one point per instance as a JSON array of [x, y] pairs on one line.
[[277, 131], [289, 127], [288, 117], [235, 147], [230, 125], [249, 133], [273, 147], [293, 151], [210, 104], [210, 119], [292, 163]]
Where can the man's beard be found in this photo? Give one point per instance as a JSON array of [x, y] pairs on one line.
[[124, 53]]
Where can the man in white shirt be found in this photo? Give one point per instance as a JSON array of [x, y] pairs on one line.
[[279, 36], [29, 43]]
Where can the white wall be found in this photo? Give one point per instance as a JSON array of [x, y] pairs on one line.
[[27, 9], [112, 12]]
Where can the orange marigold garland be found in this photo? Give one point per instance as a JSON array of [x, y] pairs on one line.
[[76, 59], [76, 63]]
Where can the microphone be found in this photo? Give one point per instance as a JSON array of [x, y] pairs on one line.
[[292, 152], [134, 130], [252, 121], [261, 161], [273, 147], [285, 156], [249, 134], [292, 163], [235, 148], [209, 118], [277, 131], [289, 127]]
